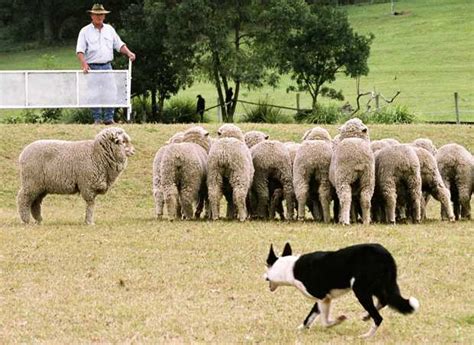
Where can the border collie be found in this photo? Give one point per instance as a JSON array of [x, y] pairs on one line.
[[368, 269]]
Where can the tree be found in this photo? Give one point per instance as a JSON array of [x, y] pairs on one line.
[[162, 67], [224, 33], [321, 45]]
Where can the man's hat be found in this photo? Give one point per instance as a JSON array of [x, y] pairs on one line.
[[98, 9]]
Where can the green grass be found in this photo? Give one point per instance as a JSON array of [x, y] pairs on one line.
[[133, 279], [426, 53]]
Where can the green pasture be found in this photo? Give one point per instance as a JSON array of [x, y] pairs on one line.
[[133, 279], [426, 53]]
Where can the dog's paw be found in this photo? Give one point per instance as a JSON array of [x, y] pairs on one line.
[[301, 327], [370, 333]]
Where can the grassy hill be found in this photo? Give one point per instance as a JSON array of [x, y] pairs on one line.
[[133, 279], [426, 52]]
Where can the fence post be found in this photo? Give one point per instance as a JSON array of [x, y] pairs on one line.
[[456, 106], [377, 101], [298, 101]]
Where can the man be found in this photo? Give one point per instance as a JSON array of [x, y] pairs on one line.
[[200, 107], [95, 51]]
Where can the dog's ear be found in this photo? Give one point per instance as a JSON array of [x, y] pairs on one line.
[[287, 251], [271, 257]]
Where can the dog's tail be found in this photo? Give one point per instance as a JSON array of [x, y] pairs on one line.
[[404, 306]]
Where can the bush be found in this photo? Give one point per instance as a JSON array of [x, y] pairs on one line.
[[180, 110], [265, 113], [324, 114], [388, 115], [83, 116], [52, 115]]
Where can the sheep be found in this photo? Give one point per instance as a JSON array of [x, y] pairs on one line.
[[254, 137], [352, 173], [427, 144], [455, 165], [273, 168], [184, 172], [354, 128], [311, 168], [397, 170], [432, 183], [316, 133], [377, 145], [157, 191], [88, 167], [230, 170]]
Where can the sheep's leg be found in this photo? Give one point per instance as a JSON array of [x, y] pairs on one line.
[[215, 195], [24, 201], [261, 189], [288, 194], [324, 192], [345, 198], [159, 202], [365, 202], [414, 188], [465, 201], [442, 194], [171, 200], [390, 200], [90, 204], [302, 191], [188, 195], [239, 196], [36, 208]]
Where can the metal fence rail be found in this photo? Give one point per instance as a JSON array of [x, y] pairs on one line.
[[66, 89]]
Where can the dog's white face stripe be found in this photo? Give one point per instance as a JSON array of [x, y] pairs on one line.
[[281, 272]]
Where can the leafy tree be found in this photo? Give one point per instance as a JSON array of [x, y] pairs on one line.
[[318, 47], [224, 33], [162, 68]]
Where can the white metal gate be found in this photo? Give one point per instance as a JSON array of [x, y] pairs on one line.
[[66, 89]]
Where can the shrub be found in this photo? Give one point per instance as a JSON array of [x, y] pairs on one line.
[[389, 115], [324, 114], [83, 116], [52, 115], [180, 110], [265, 113]]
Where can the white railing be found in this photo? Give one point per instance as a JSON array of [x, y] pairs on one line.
[[66, 89]]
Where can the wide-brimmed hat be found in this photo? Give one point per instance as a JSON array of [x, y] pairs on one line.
[[98, 9]]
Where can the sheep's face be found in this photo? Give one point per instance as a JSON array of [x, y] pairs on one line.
[[354, 128], [121, 139]]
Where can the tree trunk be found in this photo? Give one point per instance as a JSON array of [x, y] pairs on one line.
[[217, 82], [154, 112], [161, 108], [48, 33]]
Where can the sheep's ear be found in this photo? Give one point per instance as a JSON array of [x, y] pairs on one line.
[[271, 257], [287, 250], [266, 137], [364, 130]]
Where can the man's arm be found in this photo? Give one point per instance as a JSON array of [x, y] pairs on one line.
[[84, 65], [125, 51]]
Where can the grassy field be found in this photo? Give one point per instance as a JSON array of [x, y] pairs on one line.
[[133, 279], [426, 53]]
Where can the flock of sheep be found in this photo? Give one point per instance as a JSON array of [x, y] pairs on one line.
[[364, 180]]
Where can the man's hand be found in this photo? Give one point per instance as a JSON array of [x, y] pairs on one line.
[[85, 67], [131, 56]]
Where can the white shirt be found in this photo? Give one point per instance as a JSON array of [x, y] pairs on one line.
[[98, 45]]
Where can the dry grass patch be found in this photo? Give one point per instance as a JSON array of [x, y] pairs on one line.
[[133, 279]]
